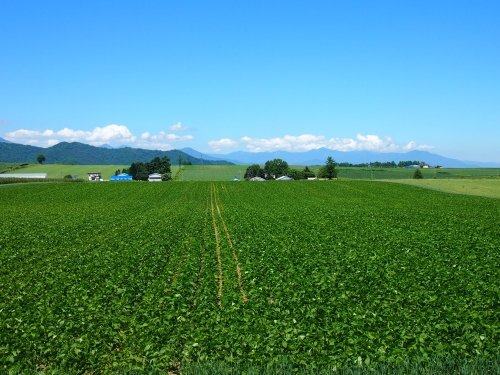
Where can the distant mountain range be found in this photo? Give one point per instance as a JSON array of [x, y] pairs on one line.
[[208, 157], [81, 153], [318, 156]]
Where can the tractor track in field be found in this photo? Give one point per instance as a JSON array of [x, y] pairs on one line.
[[243, 294], [217, 246], [218, 205]]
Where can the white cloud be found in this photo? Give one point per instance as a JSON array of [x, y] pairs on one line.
[[223, 144], [115, 134], [152, 145], [178, 127], [110, 133], [307, 142], [23, 133], [161, 141], [99, 135], [412, 145], [304, 142]]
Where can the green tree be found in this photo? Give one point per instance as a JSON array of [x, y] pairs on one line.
[[40, 158], [328, 170], [254, 170], [159, 165], [295, 174], [141, 171], [275, 168], [138, 171], [308, 173], [418, 174]]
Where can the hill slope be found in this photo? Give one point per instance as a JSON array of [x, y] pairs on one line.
[[80, 153]]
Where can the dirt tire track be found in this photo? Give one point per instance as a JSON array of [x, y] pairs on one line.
[[243, 294], [217, 246]]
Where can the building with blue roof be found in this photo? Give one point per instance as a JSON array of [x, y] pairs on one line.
[[121, 177]]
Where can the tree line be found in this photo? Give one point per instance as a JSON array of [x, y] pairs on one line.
[[140, 171], [276, 168]]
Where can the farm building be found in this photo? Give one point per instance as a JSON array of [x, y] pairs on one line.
[[94, 176], [121, 177], [23, 175], [284, 178], [257, 179], [154, 177]]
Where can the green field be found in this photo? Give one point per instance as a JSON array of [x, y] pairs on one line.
[[482, 187], [210, 172], [406, 173], [61, 170], [229, 172], [9, 167], [119, 277]]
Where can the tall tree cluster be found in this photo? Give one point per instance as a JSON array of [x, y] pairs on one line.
[[141, 171], [276, 168], [254, 170], [328, 170]]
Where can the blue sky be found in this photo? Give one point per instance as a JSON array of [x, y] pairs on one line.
[[254, 75]]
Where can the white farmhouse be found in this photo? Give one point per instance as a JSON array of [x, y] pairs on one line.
[[154, 177], [94, 176]]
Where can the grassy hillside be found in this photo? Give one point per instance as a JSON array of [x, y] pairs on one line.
[[61, 170], [110, 278], [8, 167]]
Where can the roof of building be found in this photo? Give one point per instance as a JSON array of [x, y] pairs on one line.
[[122, 177], [23, 175]]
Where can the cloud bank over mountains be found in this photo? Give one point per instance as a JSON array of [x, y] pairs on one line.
[[308, 142], [177, 134], [115, 134]]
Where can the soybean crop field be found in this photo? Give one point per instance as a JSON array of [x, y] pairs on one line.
[[110, 277]]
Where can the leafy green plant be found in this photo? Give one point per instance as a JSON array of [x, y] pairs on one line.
[[126, 277]]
